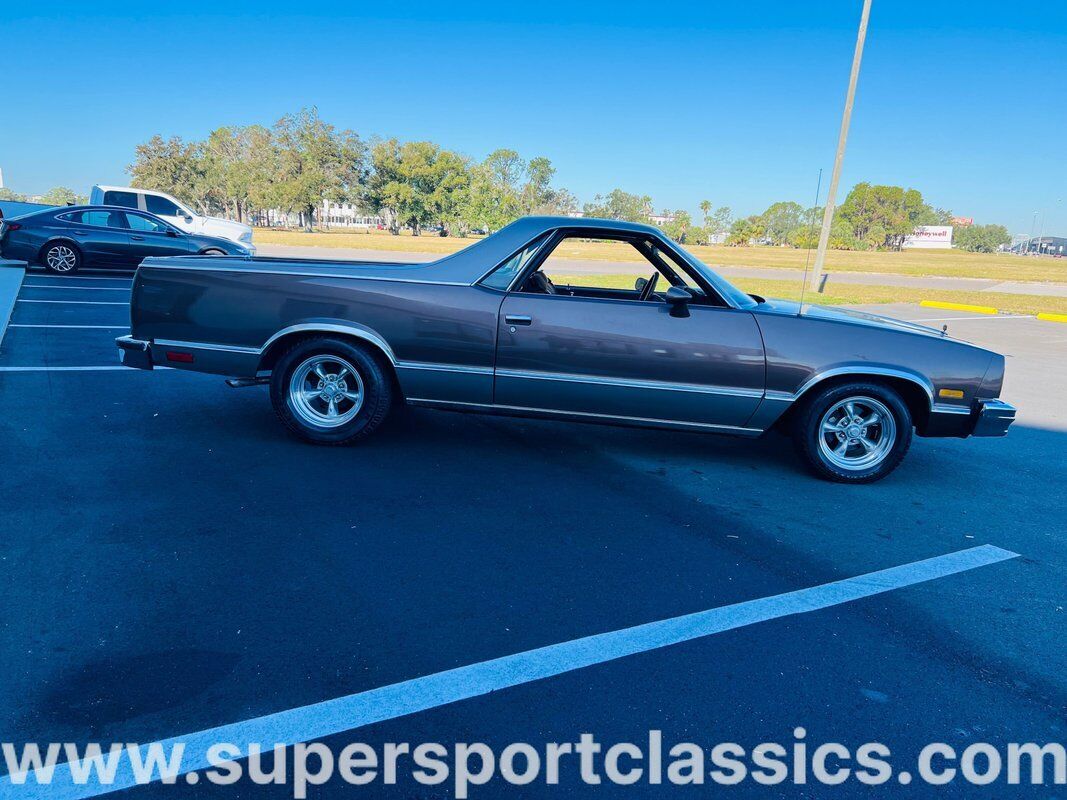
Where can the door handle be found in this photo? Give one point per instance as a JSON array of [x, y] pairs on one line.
[[81, 233], [518, 319], [137, 238]]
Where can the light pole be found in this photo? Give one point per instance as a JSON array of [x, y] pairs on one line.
[[842, 139], [1030, 241]]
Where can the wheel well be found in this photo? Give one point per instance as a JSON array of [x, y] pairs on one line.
[[207, 250], [271, 355], [913, 395], [59, 240]]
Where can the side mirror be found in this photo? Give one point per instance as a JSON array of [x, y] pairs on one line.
[[172, 233], [640, 284], [188, 218], [678, 299]]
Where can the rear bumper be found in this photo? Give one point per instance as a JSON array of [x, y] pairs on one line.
[[134, 353], [992, 418]]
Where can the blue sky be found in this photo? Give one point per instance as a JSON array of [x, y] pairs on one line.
[[736, 102]]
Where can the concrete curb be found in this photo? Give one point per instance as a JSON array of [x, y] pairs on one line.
[[11, 275]]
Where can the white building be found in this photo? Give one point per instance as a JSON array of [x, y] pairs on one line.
[[348, 215]]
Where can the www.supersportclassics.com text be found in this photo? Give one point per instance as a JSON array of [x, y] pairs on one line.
[[586, 759]]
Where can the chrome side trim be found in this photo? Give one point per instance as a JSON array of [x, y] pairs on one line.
[[332, 327], [783, 397], [461, 368], [221, 268], [628, 383], [945, 408], [222, 348], [584, 414], [864, 369]]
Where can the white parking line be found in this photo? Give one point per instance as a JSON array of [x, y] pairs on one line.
[[101, 327], [76, 288], [109, 368], [36, 275], [974, 319], [77, 302], [319, 720]]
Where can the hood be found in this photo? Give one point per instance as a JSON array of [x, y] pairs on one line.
[[838, 314], [219, 224]]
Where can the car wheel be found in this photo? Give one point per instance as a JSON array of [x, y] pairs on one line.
[[853, 433], [61, 257], [330, 391]]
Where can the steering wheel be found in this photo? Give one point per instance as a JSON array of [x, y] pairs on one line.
[[650, 287]]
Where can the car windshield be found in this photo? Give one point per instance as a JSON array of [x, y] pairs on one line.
[[722, 286]]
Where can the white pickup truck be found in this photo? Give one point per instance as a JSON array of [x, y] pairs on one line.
[[172, 210]]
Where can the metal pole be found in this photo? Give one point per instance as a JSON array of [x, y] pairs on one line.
[[842, 139]]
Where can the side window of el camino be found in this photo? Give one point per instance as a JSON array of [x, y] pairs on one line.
[[617, 269]]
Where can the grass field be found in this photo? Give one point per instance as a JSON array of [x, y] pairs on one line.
[[855, 294], [944, 263]]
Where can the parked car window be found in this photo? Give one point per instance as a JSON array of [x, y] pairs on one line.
[[99, 219], [620, 268], [124, 199], [161, 206], [141, 223], [502, 277]]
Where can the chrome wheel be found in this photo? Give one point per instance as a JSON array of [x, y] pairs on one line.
[[857, 433], [325, 391], [61, 258]]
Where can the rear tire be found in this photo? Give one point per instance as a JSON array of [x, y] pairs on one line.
[[62, 258], [853, 432], [330, 391]]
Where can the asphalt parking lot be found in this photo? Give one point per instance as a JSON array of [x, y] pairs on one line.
[[173, 561]]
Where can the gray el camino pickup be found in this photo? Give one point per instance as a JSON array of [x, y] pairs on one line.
[[510, 326]]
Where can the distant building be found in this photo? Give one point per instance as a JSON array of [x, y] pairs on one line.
[[1041, 245], [661, 219]]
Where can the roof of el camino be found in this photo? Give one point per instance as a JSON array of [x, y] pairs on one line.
[[463, 267]]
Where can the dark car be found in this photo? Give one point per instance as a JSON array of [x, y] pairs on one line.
[[107, 237], [512, 326]]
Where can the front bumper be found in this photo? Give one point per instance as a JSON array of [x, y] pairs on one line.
[[134, 353], [992, 418]]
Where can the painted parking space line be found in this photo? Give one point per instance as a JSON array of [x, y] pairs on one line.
[[98, 327], [100, 368], [973, 319], [76, 288], [77, 302], [319, 720]]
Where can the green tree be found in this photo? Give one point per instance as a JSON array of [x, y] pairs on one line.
[[538, 196], [881, 216], [620, 205], [63, 196], [415, 183], [239, 166], [316, 162], [11, 196], [172, 166], [494, 197], [781, 220], [746, 231], [981, 238], [680, 226]]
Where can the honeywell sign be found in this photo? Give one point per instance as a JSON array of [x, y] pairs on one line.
[[933, 236]]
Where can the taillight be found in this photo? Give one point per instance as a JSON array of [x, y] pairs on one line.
[[181, 358], [12, 226]]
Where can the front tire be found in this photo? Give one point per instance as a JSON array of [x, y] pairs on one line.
[[330, 391], [854, 432], [62, 258]]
